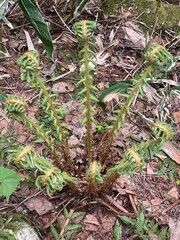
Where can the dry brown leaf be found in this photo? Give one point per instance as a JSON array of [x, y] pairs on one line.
[[108, 223], [147, 205], [156, 201], [174, 193], [111, 36], [149, 169], [151, 94], [153, 236], [101, 58], [171, 151], [91, 219], [176, 116], [121, 182], [110, 96], [4, 76], [136, 38], [30, 44], [73, 141], [116, 203], [99, 42], [90, 237], [40, 204], [163, 219], [160, 156], [63, 87]]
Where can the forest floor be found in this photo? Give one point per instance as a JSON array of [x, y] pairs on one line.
[[120, 46]]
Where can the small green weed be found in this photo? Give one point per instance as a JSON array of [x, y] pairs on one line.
[[170, 168], [101, 127], [66, 226], [7, 224], [143, 227]]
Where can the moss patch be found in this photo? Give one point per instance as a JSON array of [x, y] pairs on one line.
[[168, 14], [110, 6]]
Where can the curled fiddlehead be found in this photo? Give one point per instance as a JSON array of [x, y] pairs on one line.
[[93, 174], [52, 177], [29, 63], [84, 32], [24, 157], [162, 132], [157, 56], [15, 106]]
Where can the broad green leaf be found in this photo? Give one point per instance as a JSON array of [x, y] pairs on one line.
[[76, 215], [78, 7], [72, 236], [74, 227], [7, 22], [6, 235], [176, 88], [116, 88], [3, 6], [34, 16], [54, 232], [117, 231], [163, 234], [154, 228], [9, 180], [128, 220], [65, 212], [3, 97], [140, 222]]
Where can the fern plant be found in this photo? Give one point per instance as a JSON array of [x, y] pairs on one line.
[[98, 175]]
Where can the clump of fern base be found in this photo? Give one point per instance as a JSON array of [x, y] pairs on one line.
[[98, 176]]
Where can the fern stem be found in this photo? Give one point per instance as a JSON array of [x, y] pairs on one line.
[[56, 121], [84, 31], [106, 144], [49, 140], [88, 104]]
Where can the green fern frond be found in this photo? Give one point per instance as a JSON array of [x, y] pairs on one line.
[[29, 63], [163, 130], [84, 32], [14, 106], [120, 118], [52, 177], [84, 29], [133, 156], [159, 57]]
